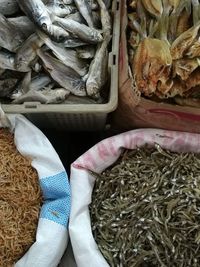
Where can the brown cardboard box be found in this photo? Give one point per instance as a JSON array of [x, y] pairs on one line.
[[135, 111]]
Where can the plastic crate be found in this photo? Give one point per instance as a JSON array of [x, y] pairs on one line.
[[89, 117]]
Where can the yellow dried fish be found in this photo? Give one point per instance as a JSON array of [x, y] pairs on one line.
[[184, 67], [154, 7], [184, 41], [152, 63]]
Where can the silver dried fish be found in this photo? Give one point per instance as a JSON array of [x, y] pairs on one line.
[[65, 76]]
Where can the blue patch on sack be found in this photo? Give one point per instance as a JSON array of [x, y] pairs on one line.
[[57, 199]]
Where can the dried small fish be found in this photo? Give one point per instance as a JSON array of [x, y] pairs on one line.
[[86, 11], [37, 12], [37, 83], [65, 76], [67, 56], [27, 52], [85, 33], [98, 71], [145, 209]]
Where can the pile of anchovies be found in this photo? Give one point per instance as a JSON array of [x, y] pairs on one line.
[[145, 209], [51, 50]]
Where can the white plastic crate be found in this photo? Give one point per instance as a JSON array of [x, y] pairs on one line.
[[89, 117]]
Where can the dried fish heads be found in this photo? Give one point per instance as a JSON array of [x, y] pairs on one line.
[[152, 63], [37, 12], [27, 52]]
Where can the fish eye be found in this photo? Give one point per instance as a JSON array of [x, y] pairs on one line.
[[44, 26], [61, 6]]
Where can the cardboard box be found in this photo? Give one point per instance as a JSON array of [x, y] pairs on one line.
[[135, 111]]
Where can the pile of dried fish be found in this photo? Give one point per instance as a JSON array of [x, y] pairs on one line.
[[50, 49], [145, 209], [164, 48]]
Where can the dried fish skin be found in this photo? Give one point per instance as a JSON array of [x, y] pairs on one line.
[[184, 67], [152, 63], [154, 7], [194, 50], [11, 37], [184, 41], [193, 80], [183, 23], [24, 23]]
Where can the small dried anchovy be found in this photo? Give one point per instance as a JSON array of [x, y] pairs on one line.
[[145, 209]]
